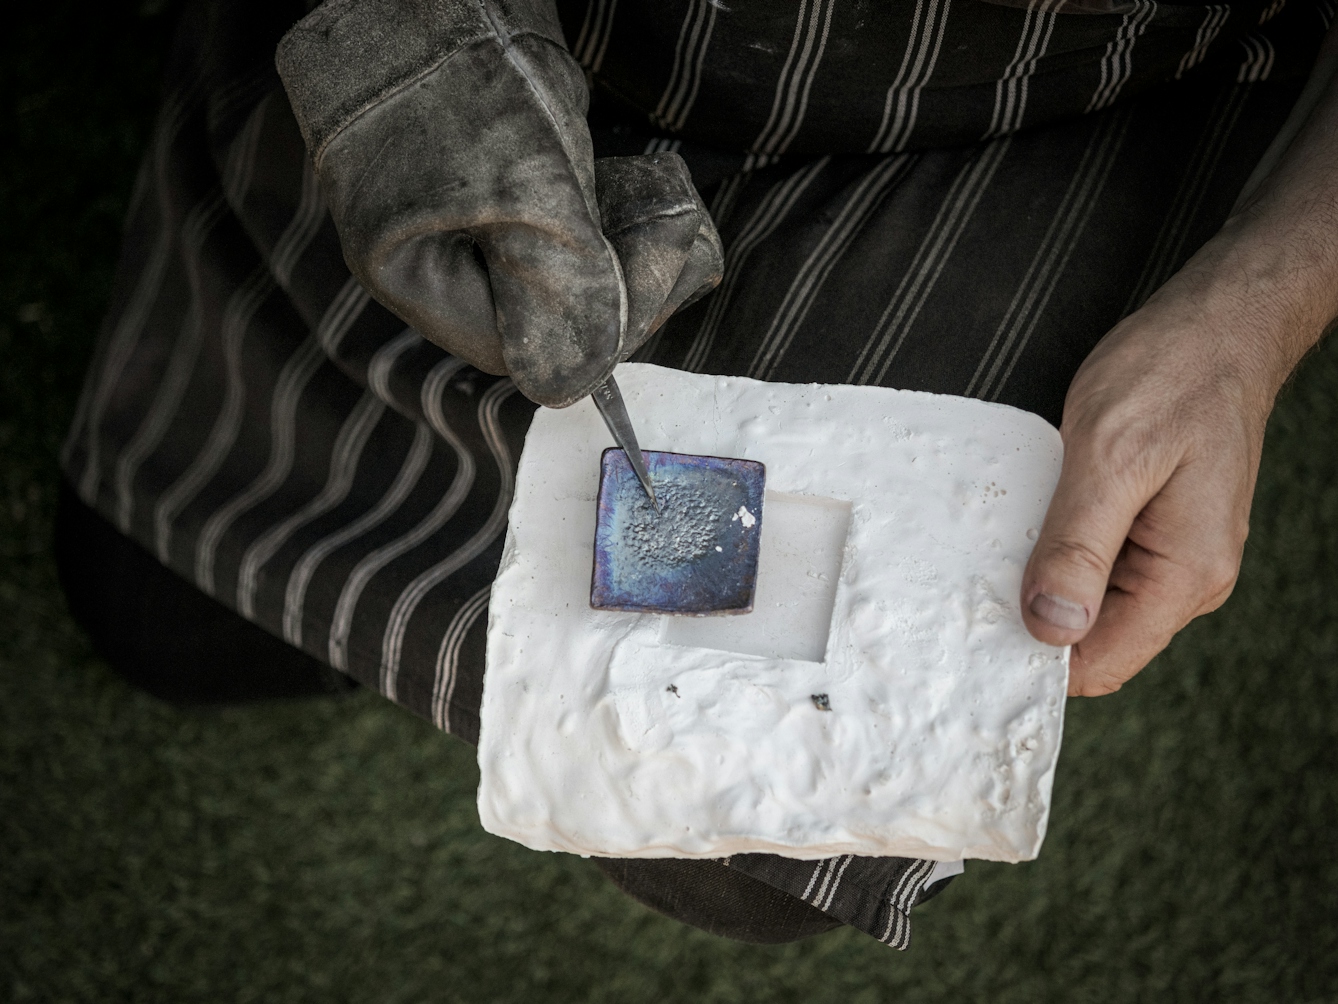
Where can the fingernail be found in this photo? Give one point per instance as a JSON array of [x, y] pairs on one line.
[[1060, 612]]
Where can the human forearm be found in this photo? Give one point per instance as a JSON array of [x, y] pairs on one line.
[[1274, 264]]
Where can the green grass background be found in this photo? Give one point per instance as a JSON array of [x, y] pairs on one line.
[[329, 850]]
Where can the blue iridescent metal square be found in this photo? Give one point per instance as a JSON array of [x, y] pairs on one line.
[[698, 554]]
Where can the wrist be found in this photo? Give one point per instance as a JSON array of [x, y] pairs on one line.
[[1261, 293]]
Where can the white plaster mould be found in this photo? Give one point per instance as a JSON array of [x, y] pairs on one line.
[[599, 737]]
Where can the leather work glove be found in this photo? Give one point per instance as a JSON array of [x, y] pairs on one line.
[[450, 142]]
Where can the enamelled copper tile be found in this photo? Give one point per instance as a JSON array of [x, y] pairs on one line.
[[697, 554]]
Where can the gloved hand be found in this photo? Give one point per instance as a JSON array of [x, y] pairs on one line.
[[450, 141]]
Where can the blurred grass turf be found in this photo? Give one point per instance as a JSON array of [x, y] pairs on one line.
[[329, 850]]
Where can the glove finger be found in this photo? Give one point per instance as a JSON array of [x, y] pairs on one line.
[[701, 273], [559, 308], [439, 284], [652, 215]]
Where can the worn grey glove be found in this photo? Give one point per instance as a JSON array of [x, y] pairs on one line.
[[450, 141]]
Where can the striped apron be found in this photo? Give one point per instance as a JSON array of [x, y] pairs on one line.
[[956, 196]]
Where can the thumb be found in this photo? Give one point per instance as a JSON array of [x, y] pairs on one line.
[[1088, 521]]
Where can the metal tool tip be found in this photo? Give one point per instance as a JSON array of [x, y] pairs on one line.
[[609, 400], [638, 462]]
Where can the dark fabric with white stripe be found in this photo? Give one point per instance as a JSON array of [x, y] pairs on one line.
[[725, 901], [277, 438], [872, 894], [163, 636], [834, 76]]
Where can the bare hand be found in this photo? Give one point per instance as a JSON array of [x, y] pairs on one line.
[[1163, 427], [1164, 422]]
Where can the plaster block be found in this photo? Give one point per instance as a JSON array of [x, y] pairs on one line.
[[883, 697]]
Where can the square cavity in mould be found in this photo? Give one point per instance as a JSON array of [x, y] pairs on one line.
[[799, 566]]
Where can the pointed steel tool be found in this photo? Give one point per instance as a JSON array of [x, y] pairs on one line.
[[609, 401]]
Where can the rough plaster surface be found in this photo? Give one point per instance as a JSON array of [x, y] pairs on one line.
[[600, 737]]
